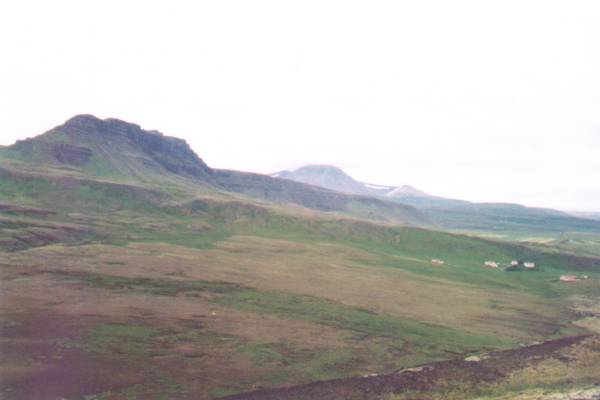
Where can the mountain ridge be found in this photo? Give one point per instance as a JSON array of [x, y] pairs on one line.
[[330, 177], [453, 214], [119, 151]]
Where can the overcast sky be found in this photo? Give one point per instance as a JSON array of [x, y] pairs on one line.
[[480, 100]]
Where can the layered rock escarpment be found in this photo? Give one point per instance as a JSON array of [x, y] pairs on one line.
[[174, 154]]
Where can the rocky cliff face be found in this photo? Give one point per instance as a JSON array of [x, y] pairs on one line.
[[69, 154], [174, 154]]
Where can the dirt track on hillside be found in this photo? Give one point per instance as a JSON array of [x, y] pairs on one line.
[[492, 368]]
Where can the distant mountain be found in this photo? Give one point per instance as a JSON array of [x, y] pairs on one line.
[[407, 191], [117, 152], [333, 178], [451, 214]]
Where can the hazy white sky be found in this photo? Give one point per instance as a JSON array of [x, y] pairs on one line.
[[481, 100]]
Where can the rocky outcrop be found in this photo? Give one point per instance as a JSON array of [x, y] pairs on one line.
[[68, 154], [174, 154]]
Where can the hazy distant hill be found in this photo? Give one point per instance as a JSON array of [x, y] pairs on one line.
[[407, 191], [333, 178], [120, 152], [451, 213], [588, 215]]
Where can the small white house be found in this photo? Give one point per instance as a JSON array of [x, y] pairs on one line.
[[436, 261], [491, 264], [529, 265], [568, 278], [514, 263]]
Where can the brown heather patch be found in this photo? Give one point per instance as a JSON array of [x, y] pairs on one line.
[[203, 353], [318, 270]]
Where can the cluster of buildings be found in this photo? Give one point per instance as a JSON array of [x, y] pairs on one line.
[[514, 265], [517, 264]]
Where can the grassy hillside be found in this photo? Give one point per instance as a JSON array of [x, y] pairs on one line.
[[148, 278], [183, 295]]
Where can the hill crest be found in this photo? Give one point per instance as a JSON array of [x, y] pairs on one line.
[[118, 151], [110, 147]]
